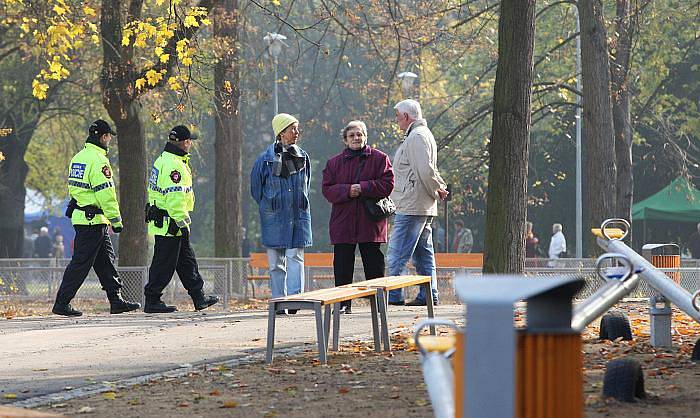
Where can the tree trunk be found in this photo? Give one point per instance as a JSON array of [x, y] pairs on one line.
[[13, 173], [506, 201], [121, 102], [620, 66], [599, 137], [228, 145]]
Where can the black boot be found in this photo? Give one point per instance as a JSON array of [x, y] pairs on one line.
[[65, 310], [203, 302], [118, 305], [158, 306]]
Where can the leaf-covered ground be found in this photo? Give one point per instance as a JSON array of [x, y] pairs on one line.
[[359, 382]]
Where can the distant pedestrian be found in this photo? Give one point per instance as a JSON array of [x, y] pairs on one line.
[[358, 172], [557, 245], [464, 239], [279, 183], [418, 187], [532, 243], [43, 248], [59, 250], [694, 243]]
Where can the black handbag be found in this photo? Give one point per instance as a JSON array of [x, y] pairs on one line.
[[378, 209]]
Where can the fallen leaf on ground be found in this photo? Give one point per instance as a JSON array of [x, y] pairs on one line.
[[10, 396], [110, 396], [343, 390], [230, 404]]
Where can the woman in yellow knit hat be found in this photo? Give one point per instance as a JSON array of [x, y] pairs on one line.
[[279, 183]]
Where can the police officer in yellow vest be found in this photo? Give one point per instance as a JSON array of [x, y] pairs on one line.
[[93, 206], [170, 200]]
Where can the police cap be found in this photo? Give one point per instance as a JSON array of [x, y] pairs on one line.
[[181, 133], [99, 128]]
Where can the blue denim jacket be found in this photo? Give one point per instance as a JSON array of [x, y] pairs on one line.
[[283, 203]]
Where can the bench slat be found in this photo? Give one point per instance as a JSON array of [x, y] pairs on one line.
[[329, 296], [393, 282]]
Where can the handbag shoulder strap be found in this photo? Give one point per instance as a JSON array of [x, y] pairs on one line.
[[359, 169]]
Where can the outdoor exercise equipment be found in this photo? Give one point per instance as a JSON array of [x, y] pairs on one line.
[[535, 371], [610, 239]]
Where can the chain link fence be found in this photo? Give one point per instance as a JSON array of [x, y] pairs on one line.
[[35, 281]]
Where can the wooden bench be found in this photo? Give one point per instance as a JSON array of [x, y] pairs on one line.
[[258, 263], [324, 298], [384, 284], [456, 261]]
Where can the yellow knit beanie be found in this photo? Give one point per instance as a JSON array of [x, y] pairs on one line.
[[281, 121]]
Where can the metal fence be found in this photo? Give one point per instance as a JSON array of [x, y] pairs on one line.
[[25, 281]]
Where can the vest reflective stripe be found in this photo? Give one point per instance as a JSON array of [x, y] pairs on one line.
[[80, 184], [103, 186], [184, 223], [170, 189]]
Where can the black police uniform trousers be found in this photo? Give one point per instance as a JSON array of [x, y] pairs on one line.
[[344, 262], [92, 248], [172, 254]]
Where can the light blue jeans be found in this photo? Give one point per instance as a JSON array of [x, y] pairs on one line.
[[412, 237], [286, 271]]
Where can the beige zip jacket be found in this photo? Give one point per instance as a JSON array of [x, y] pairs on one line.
[[416, 177]]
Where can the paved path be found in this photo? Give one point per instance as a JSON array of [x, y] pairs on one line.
[[44, 355]]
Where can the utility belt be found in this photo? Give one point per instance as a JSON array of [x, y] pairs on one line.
[[90, 210], [157, 216]]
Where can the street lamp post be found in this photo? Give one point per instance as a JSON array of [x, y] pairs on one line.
[[407, 80], [579, 195], [275, 41]]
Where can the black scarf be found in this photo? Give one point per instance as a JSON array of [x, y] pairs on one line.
[[289, 160], [96, 141]]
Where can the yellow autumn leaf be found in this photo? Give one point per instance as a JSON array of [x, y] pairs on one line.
[[191, 21], [187, 61], [59, 10], [276, 2], [164, 58], [10, 396], [39, 89], [140, 83], [140, 41], [153, 77], [125, 40], [89, 11], [95, 39], [110, 396], [159, 51], [173, 83]]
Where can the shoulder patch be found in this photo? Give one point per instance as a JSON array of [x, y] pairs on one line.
[[106, 171], [175, 176]]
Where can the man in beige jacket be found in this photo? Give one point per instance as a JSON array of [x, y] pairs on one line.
[[417, 189]]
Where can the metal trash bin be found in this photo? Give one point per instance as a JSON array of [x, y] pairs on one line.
[[660, 313]]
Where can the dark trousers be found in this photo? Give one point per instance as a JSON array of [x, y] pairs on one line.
[[344, 262], [92, 248], [172, 254]]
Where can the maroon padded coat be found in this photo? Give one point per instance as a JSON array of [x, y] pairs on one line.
[[350, 223]]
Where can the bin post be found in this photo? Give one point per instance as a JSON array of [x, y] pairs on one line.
[[509, 372], [661, 256]]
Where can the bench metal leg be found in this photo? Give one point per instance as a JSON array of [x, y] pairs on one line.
[[382, 299], [375, 323], [320, 334], [271, 316], [429, 302], [327, 324], [336, 325]]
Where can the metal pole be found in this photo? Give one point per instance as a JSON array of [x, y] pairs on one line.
[[276, 103], [579, 195]]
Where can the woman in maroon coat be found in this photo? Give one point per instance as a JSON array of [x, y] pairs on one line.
[[357, 172]]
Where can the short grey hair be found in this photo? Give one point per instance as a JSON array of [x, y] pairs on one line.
[[353, 124], [556, 228], [410, 107]]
